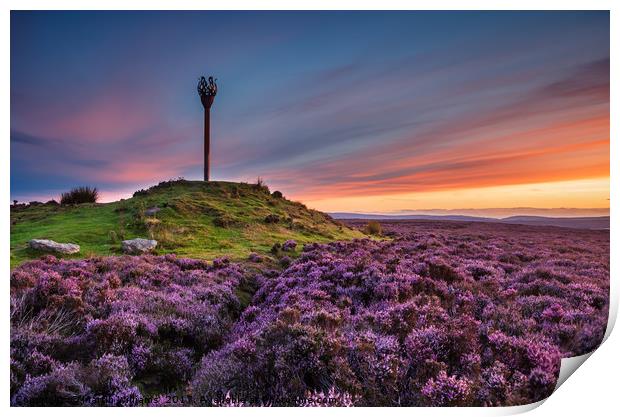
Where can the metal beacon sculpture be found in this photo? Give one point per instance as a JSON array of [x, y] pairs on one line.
[[207, 92]]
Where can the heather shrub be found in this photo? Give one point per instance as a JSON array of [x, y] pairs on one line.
[[440, 271], [156, 316], [276, 366], [289, 246], [255, 257], [412, 329], [80, 195], [445, 390], [439, 315], [61, 387], [285, 261]]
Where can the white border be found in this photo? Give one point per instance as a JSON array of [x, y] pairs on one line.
[[593, 391]]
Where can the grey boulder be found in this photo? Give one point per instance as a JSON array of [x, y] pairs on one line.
[[138, 246], [152, 211], [46, 245]]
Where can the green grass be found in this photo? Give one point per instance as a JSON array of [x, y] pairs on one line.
[[197, 219]]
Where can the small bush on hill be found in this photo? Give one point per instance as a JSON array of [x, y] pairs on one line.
[[275, 249], [277, 194], [272, 218], [373, 228], [80, 195], [234, 192], [113, 236], [138, 215], [163, 184], [170, 183], [262, 186], [224, 220], [141, 192]]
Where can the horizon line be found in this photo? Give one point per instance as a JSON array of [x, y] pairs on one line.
[[491, 212]]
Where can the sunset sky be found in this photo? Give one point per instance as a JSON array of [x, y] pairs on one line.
[[345, 111]]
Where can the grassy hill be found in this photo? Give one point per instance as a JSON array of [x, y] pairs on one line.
[[196, 219]]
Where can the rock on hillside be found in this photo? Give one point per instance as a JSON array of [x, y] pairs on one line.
[[45, 245], [138, 246]]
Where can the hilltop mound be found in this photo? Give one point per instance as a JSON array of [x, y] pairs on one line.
[[195, 219]]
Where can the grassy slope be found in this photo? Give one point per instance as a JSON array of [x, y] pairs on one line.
[[197, 219]]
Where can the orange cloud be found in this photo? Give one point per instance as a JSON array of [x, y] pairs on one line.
[[564, 150]]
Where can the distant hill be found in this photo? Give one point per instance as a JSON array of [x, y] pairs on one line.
[[598, 223], [195, 219], [409, 217]]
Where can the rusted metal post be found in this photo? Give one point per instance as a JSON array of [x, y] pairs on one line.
[[207, 144], [207, 92]]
